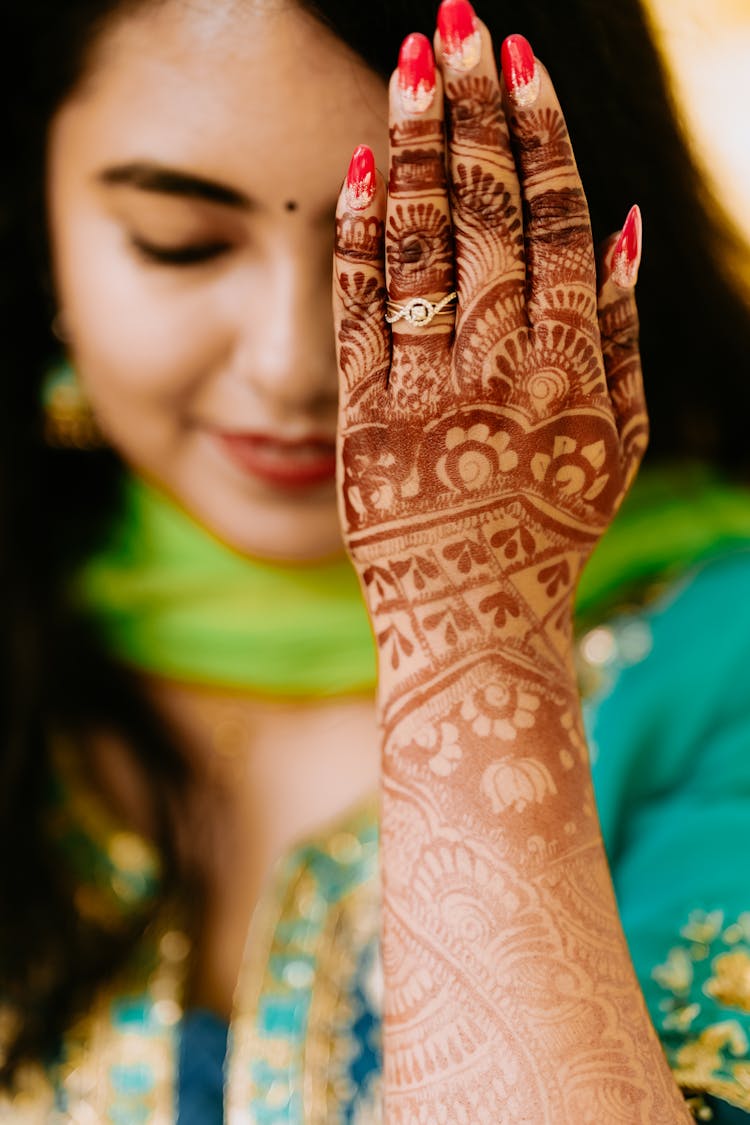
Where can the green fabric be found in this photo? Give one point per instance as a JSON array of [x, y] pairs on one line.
[[671, 519], [670, 739], [171, 599]]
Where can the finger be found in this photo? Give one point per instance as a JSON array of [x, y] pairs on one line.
[[485, 194], [359, 294], [419, 242], [618, 325], [560, 265]]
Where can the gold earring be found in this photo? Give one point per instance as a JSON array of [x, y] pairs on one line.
[[69, 421], [59, 327]]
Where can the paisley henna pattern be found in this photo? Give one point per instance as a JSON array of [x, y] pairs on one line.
[[477, 116], [477, 471], [485, 196], [420, 248], [618, 323], [360, 236]]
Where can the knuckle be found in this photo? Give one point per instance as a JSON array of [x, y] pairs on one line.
[[480, 195], [359, 238], [619, 347], [477, 115], [626, 393], [361, 294], [619, 326], [419, 247], [417, 170], [559, 215], [541, 140]]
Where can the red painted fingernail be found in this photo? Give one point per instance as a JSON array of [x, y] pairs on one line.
[[520, 70], [360, 179], [626, 256], [459, 34], [416, 73]]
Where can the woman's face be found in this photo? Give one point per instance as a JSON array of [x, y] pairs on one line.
[[192, 185]]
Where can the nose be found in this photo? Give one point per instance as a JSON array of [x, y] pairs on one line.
[[286, 348]]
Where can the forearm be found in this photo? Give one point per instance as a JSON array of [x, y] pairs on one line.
[[509, 988]]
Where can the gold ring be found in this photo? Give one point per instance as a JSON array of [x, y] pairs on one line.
[[418, 311]]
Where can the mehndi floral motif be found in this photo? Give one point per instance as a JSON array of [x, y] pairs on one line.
[[514, 783], [500, 710], [482, 456], [474, 458], [442, 743]]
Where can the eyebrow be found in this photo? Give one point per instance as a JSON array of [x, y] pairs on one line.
[[157, 178]]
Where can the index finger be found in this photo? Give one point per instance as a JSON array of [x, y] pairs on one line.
[[359, 296]]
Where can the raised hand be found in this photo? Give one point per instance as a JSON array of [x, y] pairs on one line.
[[496, 418], [486, 440]]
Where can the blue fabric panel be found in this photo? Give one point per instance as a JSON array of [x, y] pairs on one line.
[[200, 1089]]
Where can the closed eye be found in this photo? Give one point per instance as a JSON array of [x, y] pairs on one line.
[[190, 255]]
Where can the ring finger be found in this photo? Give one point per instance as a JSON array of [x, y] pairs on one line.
[[418, 239]]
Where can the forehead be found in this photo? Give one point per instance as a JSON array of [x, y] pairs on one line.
[[245, 91]]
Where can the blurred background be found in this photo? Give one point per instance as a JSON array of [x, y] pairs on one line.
[[707, 47]]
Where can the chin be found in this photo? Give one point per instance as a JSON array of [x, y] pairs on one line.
[[281, 532], [262, 522]]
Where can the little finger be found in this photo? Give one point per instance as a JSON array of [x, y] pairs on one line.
[[618, 325]]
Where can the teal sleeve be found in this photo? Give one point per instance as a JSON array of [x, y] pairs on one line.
[[669, 732]]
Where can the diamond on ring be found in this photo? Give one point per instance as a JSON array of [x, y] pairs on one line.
[[418, 311]]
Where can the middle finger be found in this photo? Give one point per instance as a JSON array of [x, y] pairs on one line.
[[485, 192]]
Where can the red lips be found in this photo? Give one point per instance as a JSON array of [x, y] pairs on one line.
[[302, 463]]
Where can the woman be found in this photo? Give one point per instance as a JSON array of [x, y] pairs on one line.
[[190, 274]]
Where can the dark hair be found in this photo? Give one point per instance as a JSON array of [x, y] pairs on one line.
[[54, 505]]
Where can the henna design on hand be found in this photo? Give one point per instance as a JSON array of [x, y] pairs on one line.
[[479, 465], [360, 237], [618, 321], [420, 249], [485, 195], [417, 164], [477, 115], [364, 347], [558, 230]]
